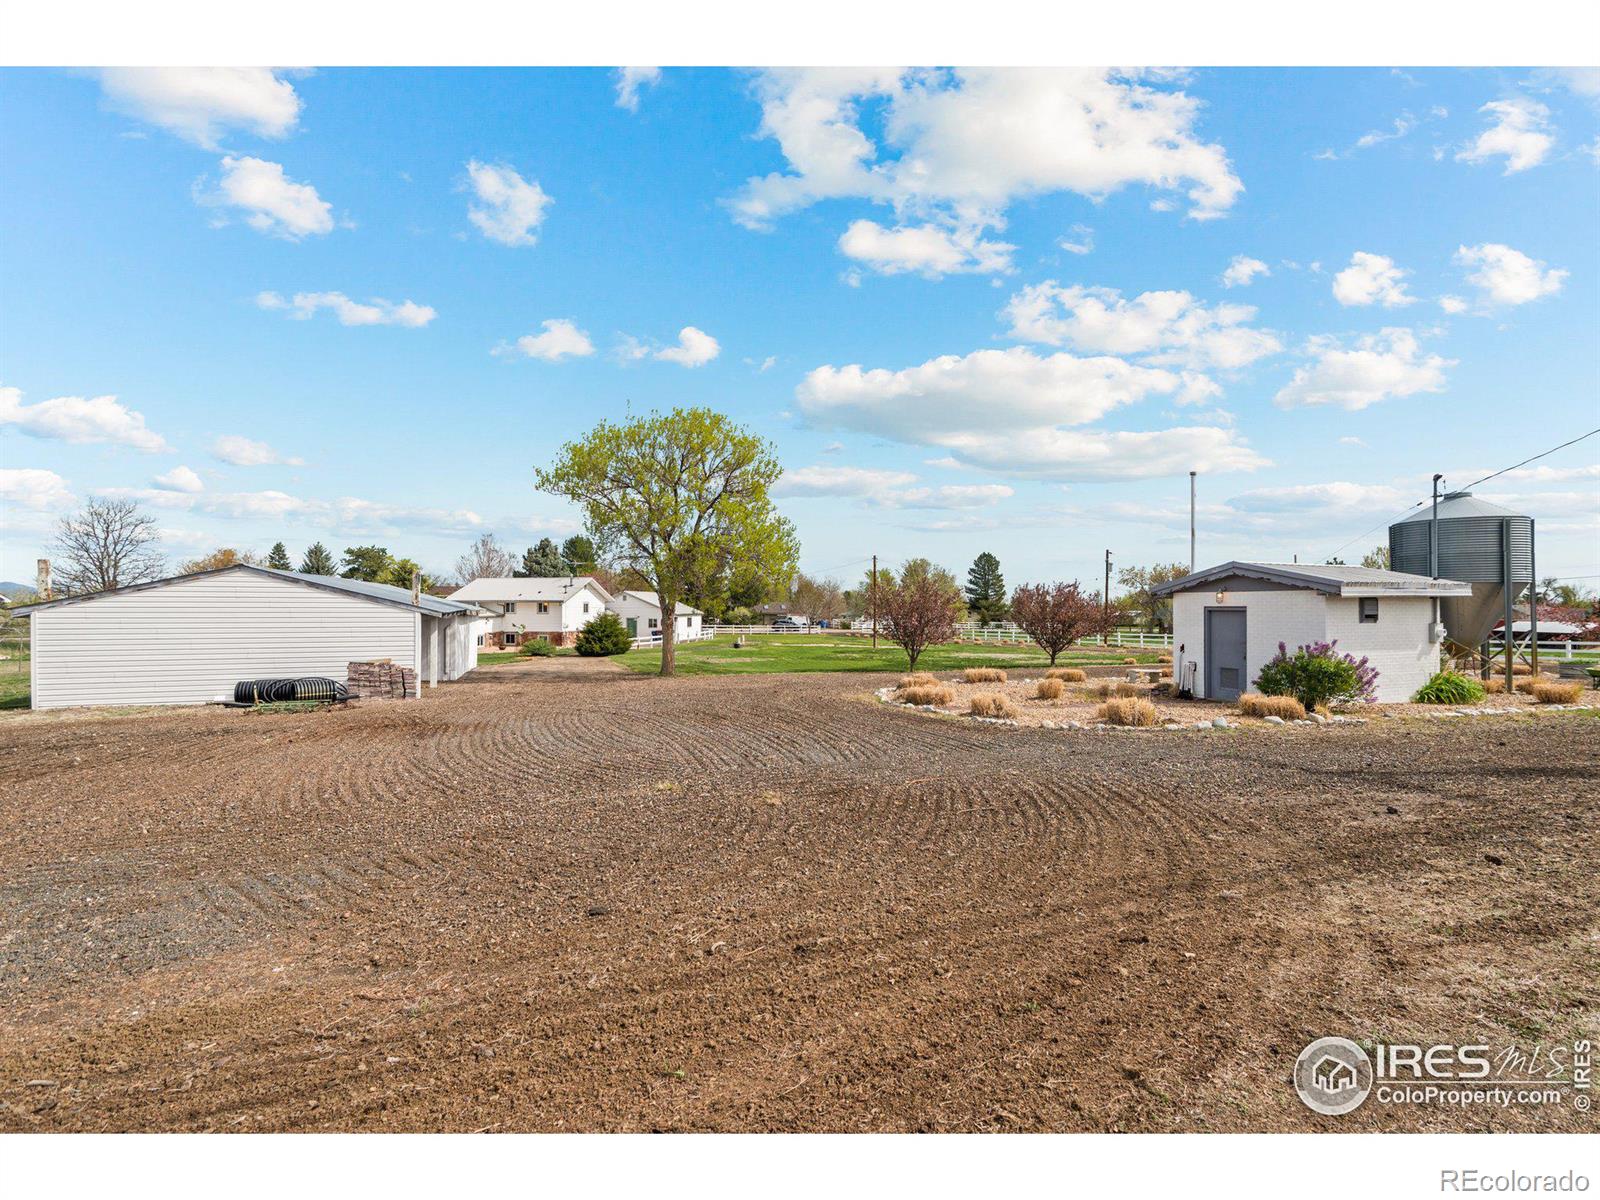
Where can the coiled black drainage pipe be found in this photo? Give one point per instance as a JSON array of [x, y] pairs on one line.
[[276, 691]]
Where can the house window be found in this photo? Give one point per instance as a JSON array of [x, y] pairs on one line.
[[511, 639], [653, 622], [544, 608], [511, 608], [1369, 610], [480, 639], [585, 606], [691, 622]]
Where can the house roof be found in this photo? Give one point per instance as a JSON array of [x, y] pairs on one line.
[[1329, 579], [498, 589], [654, 601], [381, 592]]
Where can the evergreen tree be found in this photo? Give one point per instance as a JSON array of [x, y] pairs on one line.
[[278, 557], [369, 563], [580, 554], [542, 561], [318, 561], [986, 588]]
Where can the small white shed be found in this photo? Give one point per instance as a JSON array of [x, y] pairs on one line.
[[1227, 622], [189, 639], [641, 614]]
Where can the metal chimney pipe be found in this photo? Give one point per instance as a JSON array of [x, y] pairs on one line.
[[1191, 522], [42, 583], [416, 587]]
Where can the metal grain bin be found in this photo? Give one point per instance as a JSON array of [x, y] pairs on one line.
[[1479, 543]]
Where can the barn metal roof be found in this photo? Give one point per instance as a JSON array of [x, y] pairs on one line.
[[434, 606], [1330, 579]]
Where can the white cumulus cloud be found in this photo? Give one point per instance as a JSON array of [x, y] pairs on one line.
[[305, 305], [243, 452], [509, 208], [695, 348], [1378, 367], [271, 202], [1519, 133], [1242, 271], [955, 148], [929, 250], [35, 489], [1507, 276], [200, 103], [1371, 279], [1171, 325], [179, 479], [887, 489], [103, 419], [560, 339], [1004, 411], [629, 82]]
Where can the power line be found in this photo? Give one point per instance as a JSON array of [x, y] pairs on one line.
[[1466, 487], [1535, 458]]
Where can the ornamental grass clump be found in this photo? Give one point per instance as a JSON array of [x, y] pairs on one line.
[[1495, 687], [925, 694], [1049, 689], [992, 704], [1287, 707], [1557, 693], [1127, 711], [984, 675], [1066, 674], [918, 679], [1318, 675], [1450, 687]]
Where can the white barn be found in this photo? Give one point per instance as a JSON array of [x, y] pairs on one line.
[[1227, 622], [641, 613], [189, 639], [553, 609]]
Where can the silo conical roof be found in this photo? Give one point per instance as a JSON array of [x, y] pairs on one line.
[[1455, 505]]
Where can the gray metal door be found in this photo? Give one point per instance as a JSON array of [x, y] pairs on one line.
[[1225, 665]]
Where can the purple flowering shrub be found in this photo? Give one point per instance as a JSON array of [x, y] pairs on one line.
[[1318, 674]]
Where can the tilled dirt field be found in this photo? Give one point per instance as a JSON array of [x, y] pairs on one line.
[[560, 896]]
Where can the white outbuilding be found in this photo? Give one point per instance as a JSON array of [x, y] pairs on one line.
[[641, 613], [189, 639], [1227, 622]]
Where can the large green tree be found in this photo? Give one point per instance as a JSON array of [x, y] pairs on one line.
[[318, 561], [371, 563], [278, 557], [677, 497], [986, 589], [1155, 612]]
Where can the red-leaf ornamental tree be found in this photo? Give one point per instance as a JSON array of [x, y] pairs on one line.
[[920, 613], [1055, 615]]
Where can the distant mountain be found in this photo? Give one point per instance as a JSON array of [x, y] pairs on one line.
[[9, 589]]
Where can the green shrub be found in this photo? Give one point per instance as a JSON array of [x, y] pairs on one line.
[[1450, 687], [537, 648], [1317, 675], [603, 636]]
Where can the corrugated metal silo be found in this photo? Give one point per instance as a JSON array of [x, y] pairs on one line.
[[1479, 543]]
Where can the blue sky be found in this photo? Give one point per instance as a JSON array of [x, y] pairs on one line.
[[361, 305]]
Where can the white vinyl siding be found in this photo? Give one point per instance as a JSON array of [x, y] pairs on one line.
[[190, 641]]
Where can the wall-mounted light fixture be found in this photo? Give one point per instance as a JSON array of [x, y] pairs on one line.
[[1222, 596]]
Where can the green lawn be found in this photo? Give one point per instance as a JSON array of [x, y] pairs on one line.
[[775, 654], [14, 685], [505, 656]]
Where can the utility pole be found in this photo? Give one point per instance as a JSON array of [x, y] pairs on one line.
[[1191, 522], [1105, 606], [872, 594]]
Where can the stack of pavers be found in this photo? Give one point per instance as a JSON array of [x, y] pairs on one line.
[[381, 680]]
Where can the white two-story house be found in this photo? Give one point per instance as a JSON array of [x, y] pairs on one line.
[[552, 609]]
